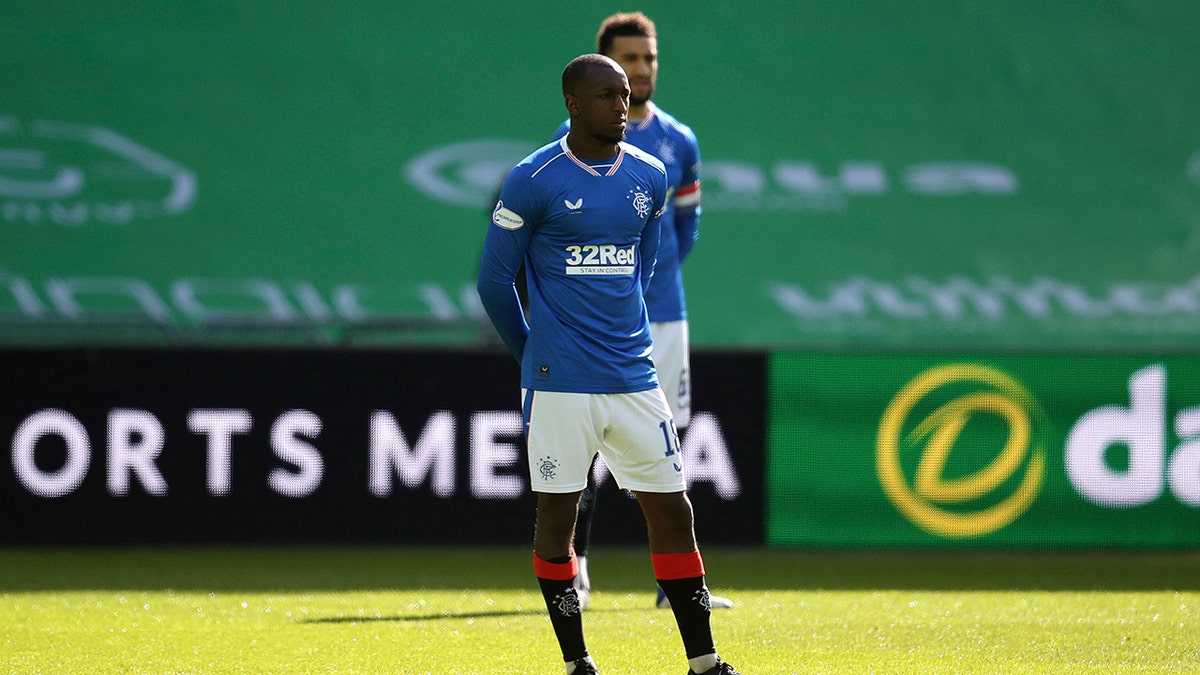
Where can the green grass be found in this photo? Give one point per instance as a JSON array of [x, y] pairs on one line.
[[439, 610]]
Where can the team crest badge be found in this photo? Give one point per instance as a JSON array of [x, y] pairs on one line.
[[666, 152], [547, 468], [567, 603], [640, 200]]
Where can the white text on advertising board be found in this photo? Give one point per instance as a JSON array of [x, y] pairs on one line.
[[397, 460]]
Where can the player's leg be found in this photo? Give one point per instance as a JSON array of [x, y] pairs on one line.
[[583, 537], [556, 567], [642, 453], [679, 570], [671, 360], [560, 455]]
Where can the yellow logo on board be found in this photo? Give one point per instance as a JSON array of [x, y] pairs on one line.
[[970, 505]]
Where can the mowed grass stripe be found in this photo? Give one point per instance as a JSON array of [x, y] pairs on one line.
[[444, 610]]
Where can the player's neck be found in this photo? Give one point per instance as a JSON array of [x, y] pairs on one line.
[[637, 113], [589, 147]]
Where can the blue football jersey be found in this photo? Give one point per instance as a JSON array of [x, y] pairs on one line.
[[588, 233], [674, 144]]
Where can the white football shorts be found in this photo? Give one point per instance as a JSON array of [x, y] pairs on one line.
[[633, 432], [671, 360]]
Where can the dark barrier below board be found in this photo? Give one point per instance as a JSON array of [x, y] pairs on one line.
[[322, 446]]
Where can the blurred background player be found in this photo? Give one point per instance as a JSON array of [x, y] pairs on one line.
[[631, 40]]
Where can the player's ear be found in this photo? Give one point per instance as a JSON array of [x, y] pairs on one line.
[[572, 104]]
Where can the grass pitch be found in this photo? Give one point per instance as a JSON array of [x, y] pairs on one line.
[[439, 610]]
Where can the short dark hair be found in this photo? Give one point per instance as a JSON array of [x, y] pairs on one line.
[[577, 70], [624, 24]]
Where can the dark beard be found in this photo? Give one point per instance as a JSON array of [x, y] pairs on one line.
[[611, 140]]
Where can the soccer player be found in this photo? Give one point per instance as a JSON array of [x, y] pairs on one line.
[[631, 40], [583, 214]]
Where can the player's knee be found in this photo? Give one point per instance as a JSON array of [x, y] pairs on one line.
[[667, 512]]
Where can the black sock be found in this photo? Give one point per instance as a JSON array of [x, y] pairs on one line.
[[692, 609], [557, 580]]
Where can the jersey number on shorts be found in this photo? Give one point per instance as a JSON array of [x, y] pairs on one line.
[[671, 437]]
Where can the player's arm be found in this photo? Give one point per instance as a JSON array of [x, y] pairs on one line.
[[687, 201], [504, 249], [648, 247]]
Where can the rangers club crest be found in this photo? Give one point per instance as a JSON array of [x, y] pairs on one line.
[[666, 152], [641, 201], [548, 468], [567, 603]]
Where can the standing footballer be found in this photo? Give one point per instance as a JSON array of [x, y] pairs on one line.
[[583, 214], [631, 40]]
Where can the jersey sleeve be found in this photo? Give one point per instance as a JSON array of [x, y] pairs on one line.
[[648, 247], [513, 220], [687, 198], [562, 130]]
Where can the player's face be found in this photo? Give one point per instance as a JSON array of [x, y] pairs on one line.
[[604, 104], [639, 57]]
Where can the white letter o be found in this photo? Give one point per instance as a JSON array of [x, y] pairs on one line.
[[70, 476]]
